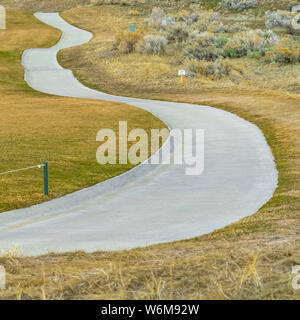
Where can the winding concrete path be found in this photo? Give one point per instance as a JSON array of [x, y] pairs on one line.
[[149, 204]]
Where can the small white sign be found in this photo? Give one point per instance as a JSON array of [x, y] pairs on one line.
[[181, 72]]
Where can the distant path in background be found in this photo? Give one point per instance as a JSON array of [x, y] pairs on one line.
[[151, 203]]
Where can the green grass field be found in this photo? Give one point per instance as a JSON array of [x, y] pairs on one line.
[[36, 127]]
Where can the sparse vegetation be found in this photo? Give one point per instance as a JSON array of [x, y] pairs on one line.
[[215, 70], [238, 4]]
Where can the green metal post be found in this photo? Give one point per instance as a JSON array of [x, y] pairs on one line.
[[46, 178]]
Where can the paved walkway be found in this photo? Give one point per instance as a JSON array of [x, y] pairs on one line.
[[149, 204]]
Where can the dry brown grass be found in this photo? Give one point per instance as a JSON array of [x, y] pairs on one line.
[[211, 267], [44, 5], [37, 127], [251, 259], [60, 5]]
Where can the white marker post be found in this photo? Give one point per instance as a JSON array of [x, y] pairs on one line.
[[181, 73]]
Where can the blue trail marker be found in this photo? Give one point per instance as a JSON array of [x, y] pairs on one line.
[[132, 28]]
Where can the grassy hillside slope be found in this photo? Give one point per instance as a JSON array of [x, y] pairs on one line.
[[36, 127]]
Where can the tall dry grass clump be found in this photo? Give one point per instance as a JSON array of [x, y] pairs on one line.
[[214, 70], [126, 41]]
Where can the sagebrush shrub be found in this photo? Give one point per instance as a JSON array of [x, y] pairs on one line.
[[235, 48], [177, 33], [204, 46], [238, 4], [279, 18], [215, 70], [182, 15], [159, 20], [268, 35], [250, 41], [220, 42], [213, 17], [152, 44], [203, 39], [197, 52], [285, 51], [227, 28]]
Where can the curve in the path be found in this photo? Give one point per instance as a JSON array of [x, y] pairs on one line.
[[149, 204]]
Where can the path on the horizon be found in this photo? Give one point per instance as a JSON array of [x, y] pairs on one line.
[[149, 204]]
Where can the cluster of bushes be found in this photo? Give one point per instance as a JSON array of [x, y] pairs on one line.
[[285, 51], [207, 46], [115, 2], [201, 45], [186, 25], [231, 28], [250, 41], [238, 4], [207, 21], [208, 43], [186, 21], [279, 18], [204, 46], [215, 70], [128, 42], [194, 19], [179, 32], [195, 16], [283, 18], [159, 20]]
